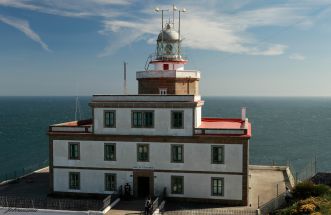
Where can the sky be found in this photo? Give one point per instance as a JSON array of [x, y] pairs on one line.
[[241, 47]]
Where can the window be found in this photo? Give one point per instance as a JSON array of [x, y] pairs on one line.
[[110, 182], [110, 119], [74, 151], [74, 180], [110, 152], [163, 91], [165, 66], [143, 152], [142, 119], [177, 119], [217, 186], [177, 184], [177, 153], [217, 154]]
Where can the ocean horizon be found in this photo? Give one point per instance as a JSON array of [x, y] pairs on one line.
[[285, 129]]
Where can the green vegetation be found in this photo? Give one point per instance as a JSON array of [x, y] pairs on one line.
[[309, 198]]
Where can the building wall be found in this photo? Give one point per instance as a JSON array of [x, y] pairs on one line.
[[92, 155], [195, 185], [162, 122], [176, 86], [199, 185], [91, 181]]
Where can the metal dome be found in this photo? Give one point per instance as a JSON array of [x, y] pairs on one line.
[[169, 34]]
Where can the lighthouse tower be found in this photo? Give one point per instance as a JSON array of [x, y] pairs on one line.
[[168, 75]]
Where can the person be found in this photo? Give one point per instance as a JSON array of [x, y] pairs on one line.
[[288, 195], [147, 206], [127, 191]]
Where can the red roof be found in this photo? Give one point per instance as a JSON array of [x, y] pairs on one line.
[[226, 124]]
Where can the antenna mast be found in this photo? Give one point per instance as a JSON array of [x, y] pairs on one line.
[[179, 11], [124, 84]]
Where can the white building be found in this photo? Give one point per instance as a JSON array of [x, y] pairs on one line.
[[154, 140]]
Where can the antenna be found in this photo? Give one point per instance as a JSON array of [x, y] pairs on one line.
[[124, 84], [179, 11], [77, 110], [174, 8]]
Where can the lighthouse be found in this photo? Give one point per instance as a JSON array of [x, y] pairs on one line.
[[156, 141], [168, 75]]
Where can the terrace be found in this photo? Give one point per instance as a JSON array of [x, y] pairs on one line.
[[209, 126]]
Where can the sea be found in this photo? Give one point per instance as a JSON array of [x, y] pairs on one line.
[[285, 130]]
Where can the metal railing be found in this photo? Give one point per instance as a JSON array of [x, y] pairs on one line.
[[51, 203], [273, 204], [214, 211]]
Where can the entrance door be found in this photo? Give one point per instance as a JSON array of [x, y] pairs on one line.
[[143, 187]]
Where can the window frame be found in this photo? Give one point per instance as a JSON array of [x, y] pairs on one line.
[[173, 177], [104, 149], [74, 188], [173, 146], [104, 119], [115, 182], [69, 150], [166, 66], [142, 144], [212, 154], [173, 119], [212, 186], [143, 123]]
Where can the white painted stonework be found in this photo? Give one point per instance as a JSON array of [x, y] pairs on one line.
[[172, 66], [162, 122], [199, 185], [92, 155], [196, 185]]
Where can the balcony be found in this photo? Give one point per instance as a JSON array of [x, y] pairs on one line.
[[82, 126]]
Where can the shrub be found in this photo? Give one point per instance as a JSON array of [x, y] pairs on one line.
[[307, 189]]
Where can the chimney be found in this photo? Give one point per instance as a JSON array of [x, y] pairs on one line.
[[243, 113]]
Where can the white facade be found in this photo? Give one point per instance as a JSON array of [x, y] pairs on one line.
[[162, 122], [91, 155], [94, 167]]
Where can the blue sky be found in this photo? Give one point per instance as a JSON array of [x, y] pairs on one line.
[[241, 47]]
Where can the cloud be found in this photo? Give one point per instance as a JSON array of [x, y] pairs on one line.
[[297, 56], [24, 27], [75, 8], [206, 26], [211, 30]]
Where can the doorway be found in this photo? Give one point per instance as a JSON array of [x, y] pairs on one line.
[[143, 187], [143, 183]]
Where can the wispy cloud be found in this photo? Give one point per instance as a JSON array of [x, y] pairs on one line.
[[297, 56], [24, 27], [206, 26]]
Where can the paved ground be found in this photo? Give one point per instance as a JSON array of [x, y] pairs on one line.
[[263, 184], [128, 207], [32, 191], [34, 185]]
